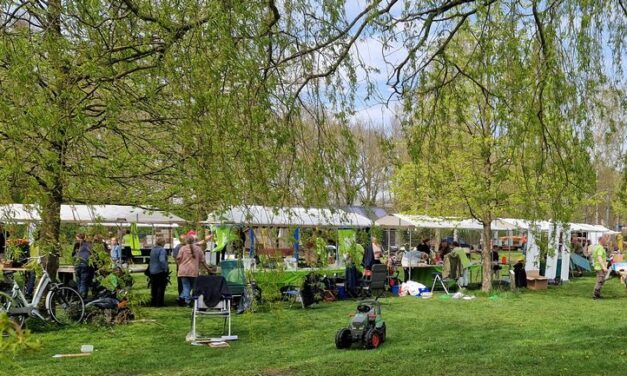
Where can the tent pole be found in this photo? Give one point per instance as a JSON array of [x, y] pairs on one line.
[[389, 238], [296, 236], [251, 234], [510, 234]]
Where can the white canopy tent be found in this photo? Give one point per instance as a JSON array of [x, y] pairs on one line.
[[106, 215], [256, 216], [403, 221], [262, 216], [559, 239], [412, 222]]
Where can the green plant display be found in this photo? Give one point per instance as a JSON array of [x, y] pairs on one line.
[[321, 252]]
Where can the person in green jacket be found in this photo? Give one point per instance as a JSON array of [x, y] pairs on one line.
[[460, 253], [599, 259]]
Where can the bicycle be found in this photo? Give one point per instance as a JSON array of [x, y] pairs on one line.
[[64, 304]]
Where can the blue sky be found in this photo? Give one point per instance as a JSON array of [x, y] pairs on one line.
[[376, 110]]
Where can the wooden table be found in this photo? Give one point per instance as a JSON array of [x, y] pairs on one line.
[[12, 269]]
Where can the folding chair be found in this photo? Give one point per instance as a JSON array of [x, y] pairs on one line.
[[377, 280], [437, 278], [211, 299], [293, 295], [233, 272]]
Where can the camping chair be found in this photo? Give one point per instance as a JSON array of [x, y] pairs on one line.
[[211, 299], [438, 281], [376, 282], [233, 272], [293, 295]]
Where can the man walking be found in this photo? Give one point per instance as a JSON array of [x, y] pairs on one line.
[[599, 259]]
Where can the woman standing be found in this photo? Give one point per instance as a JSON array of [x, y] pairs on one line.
[[377, 251], [189, 259], [158, 268], [84, 271]]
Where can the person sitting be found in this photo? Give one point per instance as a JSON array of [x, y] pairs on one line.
[[424, 246], [445, 249]]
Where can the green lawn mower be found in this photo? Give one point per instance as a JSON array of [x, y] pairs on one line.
[[366, 327]]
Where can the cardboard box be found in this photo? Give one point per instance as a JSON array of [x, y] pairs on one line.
[[535, 281]]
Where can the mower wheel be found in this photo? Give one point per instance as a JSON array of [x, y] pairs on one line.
[[382, 332], [372, 340], [343, 339]]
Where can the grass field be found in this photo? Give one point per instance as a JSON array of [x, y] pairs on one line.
[[560, 331]]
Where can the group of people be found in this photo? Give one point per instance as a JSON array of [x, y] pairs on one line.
[[189, 258], [84, 267]]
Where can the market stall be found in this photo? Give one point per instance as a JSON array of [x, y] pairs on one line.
[[269, 230]]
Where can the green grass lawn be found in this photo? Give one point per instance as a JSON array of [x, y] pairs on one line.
[[561, 331]]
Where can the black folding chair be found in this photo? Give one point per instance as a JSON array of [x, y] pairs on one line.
[[376, 282]]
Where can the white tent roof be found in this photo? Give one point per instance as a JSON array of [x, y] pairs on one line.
[[546, 225], [19, 213], [107, 215], [423, 221], [255, 215], [524, 224], [394, 221]]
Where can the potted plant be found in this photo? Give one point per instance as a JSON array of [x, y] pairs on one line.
[[16, 251]]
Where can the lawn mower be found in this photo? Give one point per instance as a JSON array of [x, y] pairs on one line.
[[366, 327]]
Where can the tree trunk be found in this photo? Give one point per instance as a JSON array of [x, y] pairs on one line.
[[486, 256], [51, 206], [50, 230]]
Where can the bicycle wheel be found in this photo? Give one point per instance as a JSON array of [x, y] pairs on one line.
[[7, 303], [66, 306]]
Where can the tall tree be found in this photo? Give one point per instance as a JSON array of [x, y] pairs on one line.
[[82, 119], [483, 143], [134, 91]]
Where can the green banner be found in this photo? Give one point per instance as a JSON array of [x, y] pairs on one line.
[[134, 241], [223, 235]]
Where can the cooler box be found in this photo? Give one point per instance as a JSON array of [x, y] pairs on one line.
[[395, 290]]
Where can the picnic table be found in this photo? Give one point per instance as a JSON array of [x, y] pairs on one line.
[[66, 272]]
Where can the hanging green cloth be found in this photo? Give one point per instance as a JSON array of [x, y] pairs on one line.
[[135, 245], [223, 236]]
